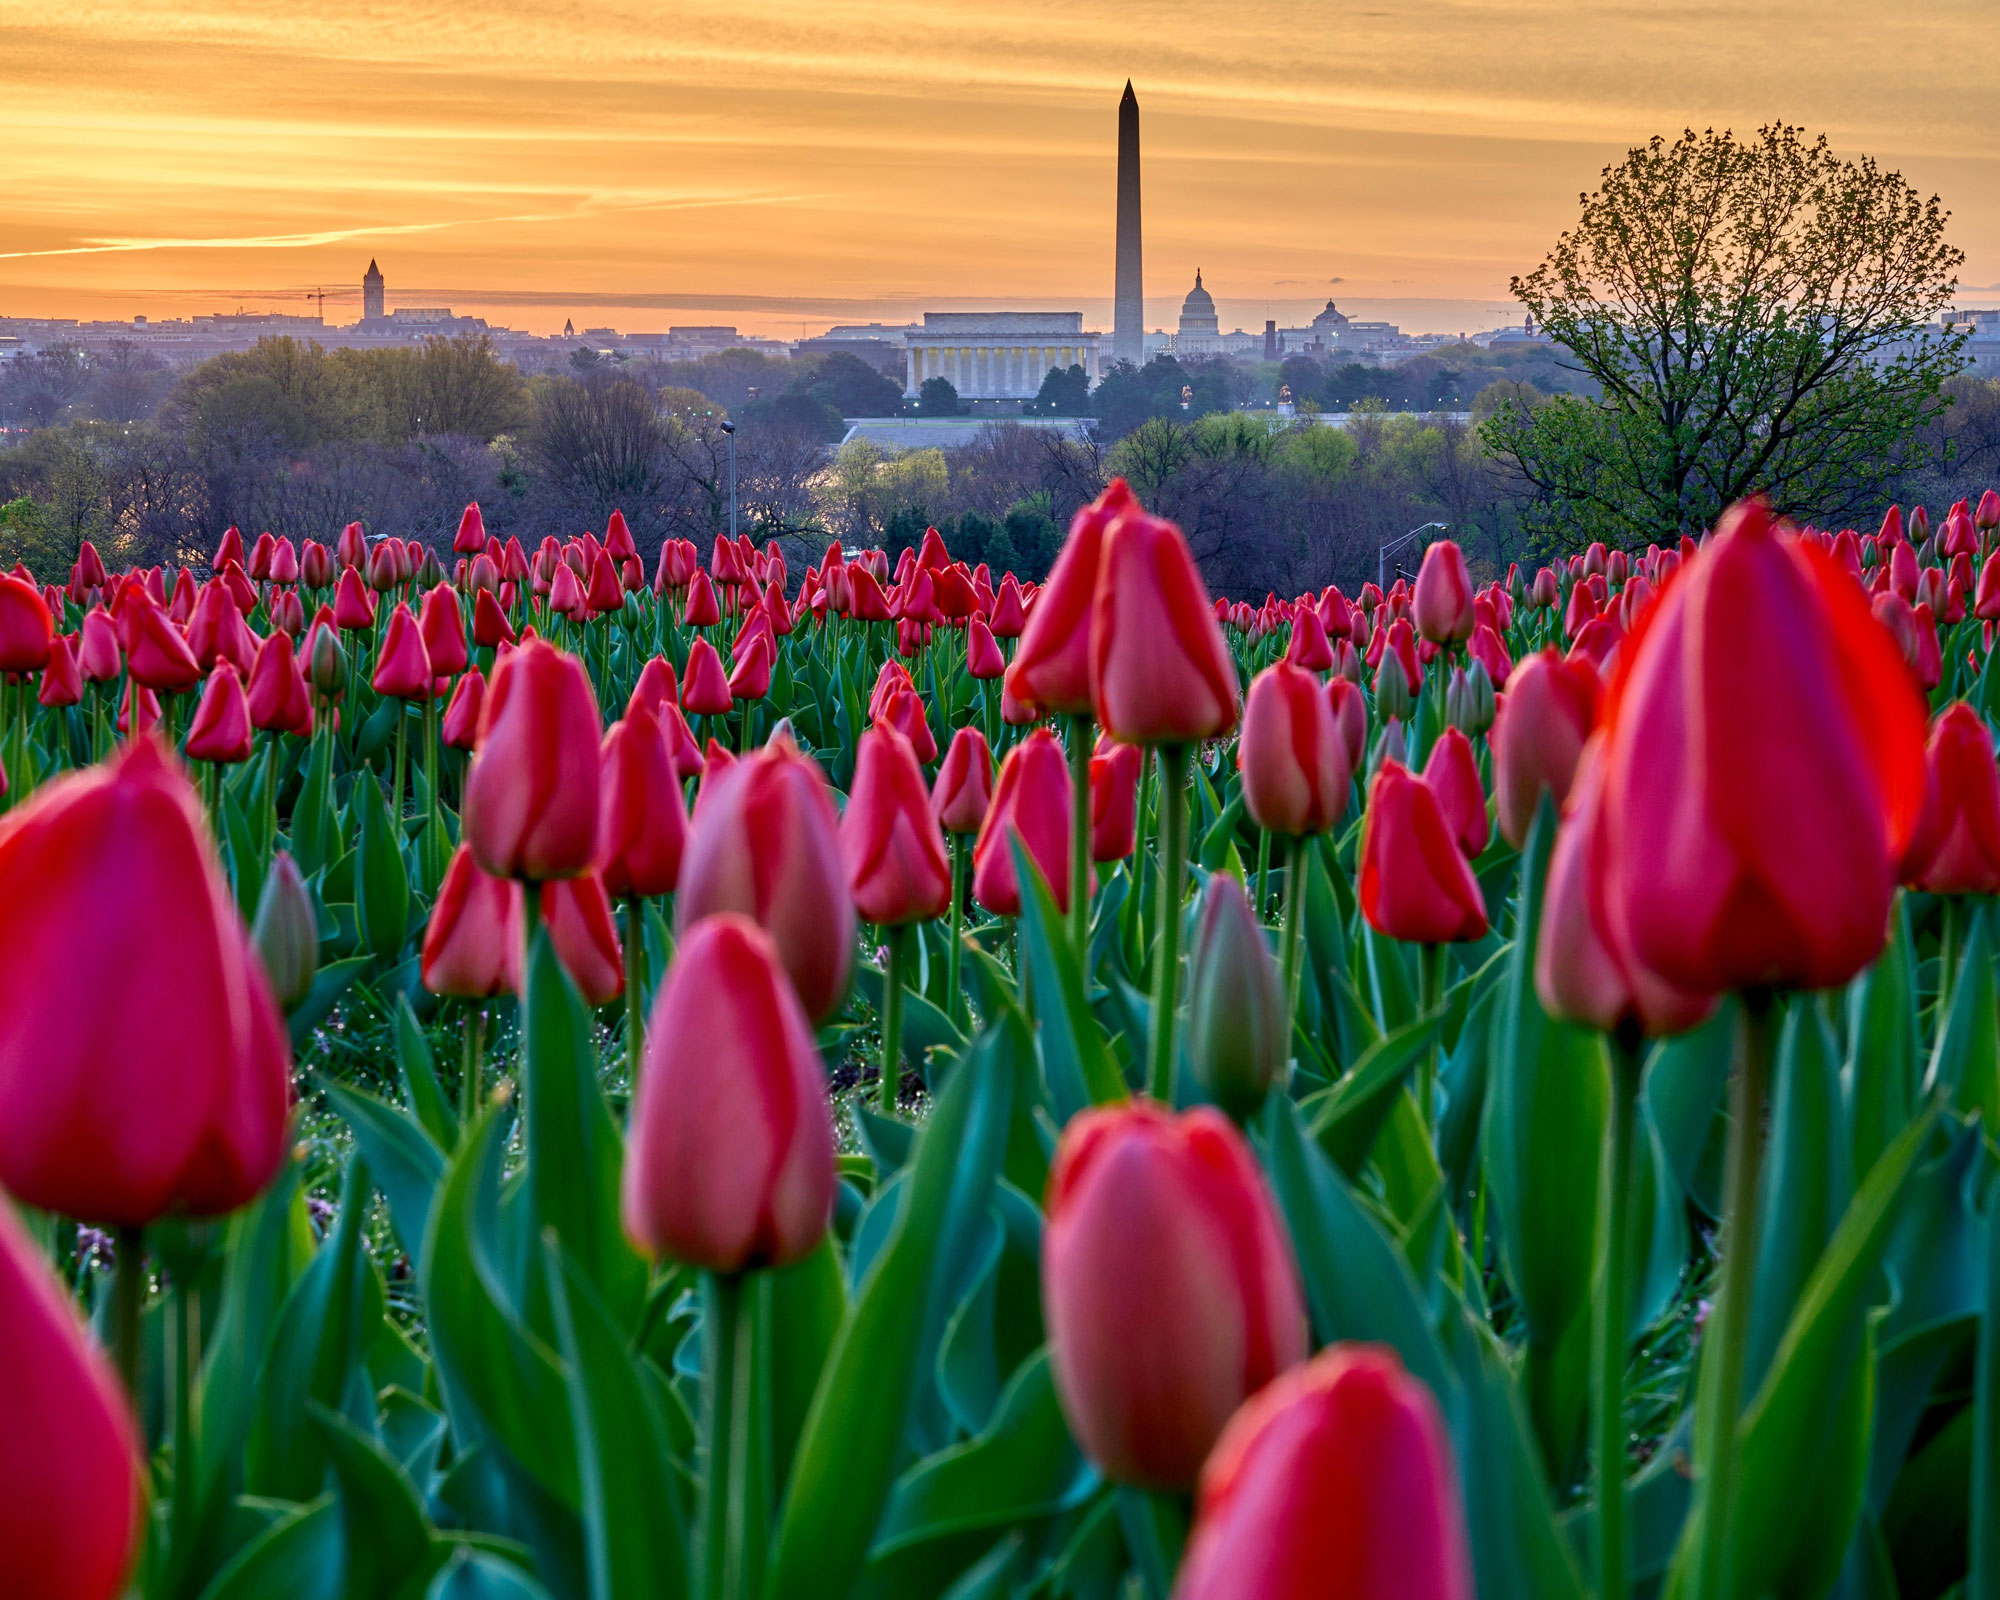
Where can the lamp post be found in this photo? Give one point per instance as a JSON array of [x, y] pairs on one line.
[[1382, 557], [730, 429]]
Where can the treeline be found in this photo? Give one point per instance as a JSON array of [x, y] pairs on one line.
[[301, 440]]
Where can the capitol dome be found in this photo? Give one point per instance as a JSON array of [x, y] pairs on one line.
[[1198, 312]]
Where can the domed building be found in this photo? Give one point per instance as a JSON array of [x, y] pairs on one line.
[[1200, 333]]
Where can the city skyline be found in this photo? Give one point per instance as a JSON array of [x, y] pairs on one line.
[[869, 162]]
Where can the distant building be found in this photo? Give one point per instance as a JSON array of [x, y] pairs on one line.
[[997, 355], [1128, 320], [371, 292], [1199, 334]]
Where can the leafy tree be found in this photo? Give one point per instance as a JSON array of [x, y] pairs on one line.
[[938, 397], [1754, 313], [850, 385], [1064, 393], [803, 409]]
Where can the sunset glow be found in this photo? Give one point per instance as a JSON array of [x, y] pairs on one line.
[[791, 164]]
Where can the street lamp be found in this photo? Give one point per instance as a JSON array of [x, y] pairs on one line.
[[730, 429], [1382, 558]]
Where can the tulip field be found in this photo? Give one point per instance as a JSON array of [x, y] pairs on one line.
[[586, 1075]]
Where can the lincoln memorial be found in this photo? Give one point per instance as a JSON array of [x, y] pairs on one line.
[[997, 355]]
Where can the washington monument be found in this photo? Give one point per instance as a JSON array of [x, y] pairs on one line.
[[1128, 313]]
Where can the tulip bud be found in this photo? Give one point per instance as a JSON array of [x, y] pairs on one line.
[[326, 661], [1394, 700], [1334, 1483], [220, 731], [26, 628], [730, 1163], [764, 843], [1238, 1040], [70, 1491], [1114, 800], [1452, 772], [1168, 1286], [286, 932], [1468, 700], [531, 795], [577, 913], [175, 1095]]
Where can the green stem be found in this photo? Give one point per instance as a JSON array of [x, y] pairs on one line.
[[1612, 1311], [892, 1020], [1295, 913], [1721, 1394], [1079, 838], [1430, 996], [1167, 908], [402, 757], [468, 1078], [128, 1293], [1264, 872], [722, 1312], [271, 790], [434, 868], [952, 955], [635, 1023]]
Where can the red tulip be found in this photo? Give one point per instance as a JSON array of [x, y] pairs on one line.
[[1957, 846], [460, 729], [353, 603], [217, 631], [221, 727], [1032, 800], [656, 688], [1350, 719], [730, 1163], [1452, 771], [702, 611], [1051, 670], [1335, 1483], [890, 842], [1582, 969], [764, 843], [1009, 617], [641, 820], [751, 679], [1114, 800], [1442, 604], [1309, 647], [166, 1089], [98, 657], [1551, 708], [26, 628], [964, 787], [1763, 769], [403, 669], [531, 793], [70, 1487], [472, 944], [62, 683], [1295, 765], [490, 627], [1415, 884], [903, 710], [1168, 1286], [279, 699], [704, 685], [982, 653], [1159, 671], [577, 913], [155, 653], [443, 627]]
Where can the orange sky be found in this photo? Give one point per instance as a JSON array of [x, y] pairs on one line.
[[779, 163]]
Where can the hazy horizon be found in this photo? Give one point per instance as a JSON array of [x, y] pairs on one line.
[[866, 162]]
